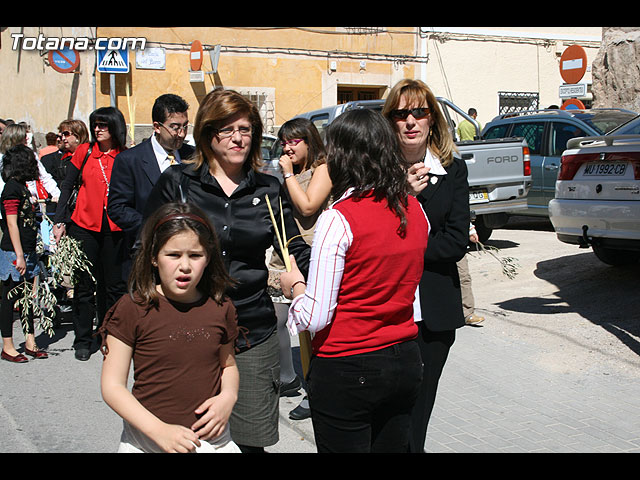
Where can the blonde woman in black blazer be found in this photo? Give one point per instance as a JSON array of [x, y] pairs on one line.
[[438, 178]]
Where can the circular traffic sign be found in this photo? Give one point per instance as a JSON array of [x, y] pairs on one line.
[[65, 60], [573, 64], [573, 104], [196, 55]]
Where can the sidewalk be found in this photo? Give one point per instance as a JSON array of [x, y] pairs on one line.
[[493, 397]]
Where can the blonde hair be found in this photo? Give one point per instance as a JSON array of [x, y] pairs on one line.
[[216, 108], [418, 94]]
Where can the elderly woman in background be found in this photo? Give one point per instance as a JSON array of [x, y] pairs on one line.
[[17, 134], [222, 179], [438, 178]]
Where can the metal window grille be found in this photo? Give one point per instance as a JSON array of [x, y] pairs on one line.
[[510, 102], [265, 107]]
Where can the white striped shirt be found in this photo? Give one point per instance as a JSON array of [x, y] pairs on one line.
[[315, 309]]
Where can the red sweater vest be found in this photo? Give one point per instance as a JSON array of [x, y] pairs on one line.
[[381, 273]]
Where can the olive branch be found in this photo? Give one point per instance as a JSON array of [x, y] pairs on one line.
[[36, 296], [509, 265]]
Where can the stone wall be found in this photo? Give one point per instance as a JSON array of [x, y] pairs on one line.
[[616, 69]]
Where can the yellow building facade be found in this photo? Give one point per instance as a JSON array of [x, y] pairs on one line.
[[286, 71]]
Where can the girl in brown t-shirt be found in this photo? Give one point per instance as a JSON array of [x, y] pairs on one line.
[[179, 329]]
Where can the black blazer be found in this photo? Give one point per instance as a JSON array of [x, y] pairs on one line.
[[135, 172], [245, 232], [446, 203]]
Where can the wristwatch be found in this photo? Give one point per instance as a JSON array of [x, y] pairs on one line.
[[287, 175]]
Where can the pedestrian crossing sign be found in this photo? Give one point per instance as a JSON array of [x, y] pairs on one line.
[[113, 61]]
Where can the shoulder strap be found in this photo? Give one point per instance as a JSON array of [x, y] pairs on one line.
[[79, 177]]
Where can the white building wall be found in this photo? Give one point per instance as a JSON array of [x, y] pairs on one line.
[[471, 65]]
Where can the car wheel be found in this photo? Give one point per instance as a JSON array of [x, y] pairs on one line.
[[482, 230], [614, 257]]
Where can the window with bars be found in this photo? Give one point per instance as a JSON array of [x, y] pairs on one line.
[[510, 102], [265, 103]]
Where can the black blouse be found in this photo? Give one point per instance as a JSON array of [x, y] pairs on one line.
[[27, 221], [245, 232]]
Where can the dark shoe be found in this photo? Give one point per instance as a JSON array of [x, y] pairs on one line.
[[291, 388], [37, 353], [83, 354], [299, 413], [20, 358]]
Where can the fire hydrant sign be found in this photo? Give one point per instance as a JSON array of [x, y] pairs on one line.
[[113, 61]]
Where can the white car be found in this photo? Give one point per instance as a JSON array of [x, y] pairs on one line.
[[597, 200]]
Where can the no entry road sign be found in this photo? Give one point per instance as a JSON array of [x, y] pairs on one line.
[[573, 64]]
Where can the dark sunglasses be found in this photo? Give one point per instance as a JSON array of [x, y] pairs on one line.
[[420, 112]]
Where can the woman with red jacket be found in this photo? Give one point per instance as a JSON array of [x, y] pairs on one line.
[[101, 239], [366, 262]]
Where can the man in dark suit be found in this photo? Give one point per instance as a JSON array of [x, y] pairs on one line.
[[136, 170]]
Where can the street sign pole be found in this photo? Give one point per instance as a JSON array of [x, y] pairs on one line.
[[112, 89]]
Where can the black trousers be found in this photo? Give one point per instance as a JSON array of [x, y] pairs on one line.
[[362, 403], [6, 310], [105, 251], [434, 349]]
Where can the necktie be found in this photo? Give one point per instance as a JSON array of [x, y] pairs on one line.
[[172, 159]]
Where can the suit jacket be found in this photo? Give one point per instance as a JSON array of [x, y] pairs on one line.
[[446, 203], [135, 172]]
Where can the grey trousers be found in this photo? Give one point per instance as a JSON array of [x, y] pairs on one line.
[[468, 302]]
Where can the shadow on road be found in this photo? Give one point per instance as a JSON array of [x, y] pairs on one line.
[[604, 295]]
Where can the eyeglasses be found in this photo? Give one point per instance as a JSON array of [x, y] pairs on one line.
[[67, 133], [292, 143], [228, 132], [417, 113], [175, 128], [101, 126]]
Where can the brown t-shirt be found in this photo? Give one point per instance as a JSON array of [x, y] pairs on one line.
[[175, 352]]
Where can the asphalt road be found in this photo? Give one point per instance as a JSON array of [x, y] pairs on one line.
[[554, 367]]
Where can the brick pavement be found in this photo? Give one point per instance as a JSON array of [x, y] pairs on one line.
[[495, 397]]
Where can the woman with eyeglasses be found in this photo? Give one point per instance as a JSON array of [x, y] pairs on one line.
[[222, 179], [72, 133], [437, 176], [101, 239], [306, 180]]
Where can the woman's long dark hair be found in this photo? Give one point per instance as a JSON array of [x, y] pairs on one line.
[[117, 126], [169, 220], [20, 163], [363, 153]]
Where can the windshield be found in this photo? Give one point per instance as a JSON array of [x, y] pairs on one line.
[[630, 128], [605, 120]]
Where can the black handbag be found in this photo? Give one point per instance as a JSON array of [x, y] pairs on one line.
[[73, 196], [70, 205]]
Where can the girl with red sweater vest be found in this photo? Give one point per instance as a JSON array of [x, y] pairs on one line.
[[366, 262]]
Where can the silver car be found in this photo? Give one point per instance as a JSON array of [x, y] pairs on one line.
[[597, 198]]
